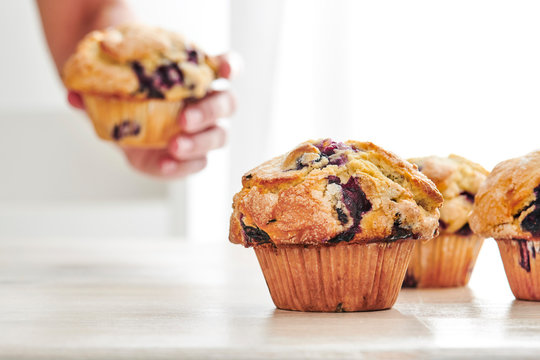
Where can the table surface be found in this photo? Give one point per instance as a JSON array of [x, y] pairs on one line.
[[167, 298]]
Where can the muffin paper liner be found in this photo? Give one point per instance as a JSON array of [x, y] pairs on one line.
[[522, 266], [445, 261], [144, 123], [335, 278]]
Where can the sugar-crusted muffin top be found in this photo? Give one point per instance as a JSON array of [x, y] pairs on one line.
[[507, 205], [458, 179], [139, 62], [325, 192]]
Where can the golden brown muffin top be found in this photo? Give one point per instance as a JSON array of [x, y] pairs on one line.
[[324, 192], [507, 205], [139, 62], [458, 179]]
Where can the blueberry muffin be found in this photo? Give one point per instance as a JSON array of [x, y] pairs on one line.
[[134, 80], [507, 208], [333, 224], [448, 259]]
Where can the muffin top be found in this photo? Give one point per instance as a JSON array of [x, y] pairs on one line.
[[139, 62], [325, 192], [458, 179], [507, 205]]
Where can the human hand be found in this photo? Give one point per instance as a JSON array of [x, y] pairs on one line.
[[186, 153]]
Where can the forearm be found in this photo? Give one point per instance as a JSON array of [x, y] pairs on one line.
[[65, 22]]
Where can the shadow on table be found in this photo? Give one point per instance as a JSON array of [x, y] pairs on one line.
[[524, 309], [373, 327], [522, 323], [438, 303], [435, 295]]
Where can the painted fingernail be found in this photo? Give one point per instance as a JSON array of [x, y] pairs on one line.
[[168, 166], [75, 100], [184, 145], [193, 117]]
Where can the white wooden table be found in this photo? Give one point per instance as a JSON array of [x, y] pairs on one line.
[[165, 299]]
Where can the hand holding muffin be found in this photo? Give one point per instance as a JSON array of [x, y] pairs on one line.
[[66, 22], [186, 152], [135, 81]]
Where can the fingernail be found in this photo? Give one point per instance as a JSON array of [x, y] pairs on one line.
[[220, 85], [75, 100], [236, 63], [193, 117], [168, 166], [183, 145], [224, 104]]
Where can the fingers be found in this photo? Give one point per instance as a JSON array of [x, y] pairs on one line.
[[204, 113], [159, 163], [187, 146], [75, 100], [229, 65], [170, 168], [186, 154]]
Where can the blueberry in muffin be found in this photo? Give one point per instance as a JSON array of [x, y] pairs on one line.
[[134, 80]]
